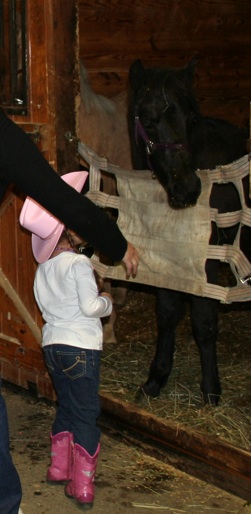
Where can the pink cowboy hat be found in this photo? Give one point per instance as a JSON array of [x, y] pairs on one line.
[[46, 229]]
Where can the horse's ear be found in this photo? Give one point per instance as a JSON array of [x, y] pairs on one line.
[[136, 74], [191, 66], [187, 73]]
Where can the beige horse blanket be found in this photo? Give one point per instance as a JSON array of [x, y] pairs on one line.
[[173, 244]]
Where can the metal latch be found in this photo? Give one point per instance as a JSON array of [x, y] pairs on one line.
[[246, 280], [32, 130]]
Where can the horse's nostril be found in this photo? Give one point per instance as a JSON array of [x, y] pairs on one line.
[[179, 198]]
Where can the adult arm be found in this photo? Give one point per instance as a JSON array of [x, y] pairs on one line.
[[21, 163]]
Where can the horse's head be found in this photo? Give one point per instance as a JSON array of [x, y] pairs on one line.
[[162, 112]]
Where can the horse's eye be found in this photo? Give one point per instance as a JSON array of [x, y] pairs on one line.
[[169, 109], [148, 124], [143, 91]]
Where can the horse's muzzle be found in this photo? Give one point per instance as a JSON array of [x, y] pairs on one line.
[[180, 196]]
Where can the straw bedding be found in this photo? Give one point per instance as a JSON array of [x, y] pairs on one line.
[[125, 366]]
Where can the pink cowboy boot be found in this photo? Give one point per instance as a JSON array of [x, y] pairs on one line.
[[81, 487], [61, 458]]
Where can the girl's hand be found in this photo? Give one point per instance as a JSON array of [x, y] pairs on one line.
[[104, 293]]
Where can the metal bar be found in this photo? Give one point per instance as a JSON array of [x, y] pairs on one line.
[[13, 49], [13, 40], [24, 53]]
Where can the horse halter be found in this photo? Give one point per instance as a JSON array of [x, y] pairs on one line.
[[150, 145]]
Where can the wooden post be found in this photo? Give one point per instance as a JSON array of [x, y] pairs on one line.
[[52, 34]]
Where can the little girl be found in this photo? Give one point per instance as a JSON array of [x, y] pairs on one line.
[[67, 294]]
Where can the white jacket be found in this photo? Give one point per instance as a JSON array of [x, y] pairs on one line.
[[67, 295]]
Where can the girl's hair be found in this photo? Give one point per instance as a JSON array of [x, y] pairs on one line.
[[71, 241], [83, 247], [66, 236]]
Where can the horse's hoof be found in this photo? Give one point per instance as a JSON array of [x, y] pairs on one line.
[[152, 389], [140, 394], [211, 399]]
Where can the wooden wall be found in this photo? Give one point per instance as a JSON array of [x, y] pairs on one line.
[[53, 84], [112, 33]]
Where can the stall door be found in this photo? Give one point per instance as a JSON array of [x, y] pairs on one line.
[[39, 42]]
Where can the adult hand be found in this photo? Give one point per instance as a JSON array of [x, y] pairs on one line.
[[131, 260]]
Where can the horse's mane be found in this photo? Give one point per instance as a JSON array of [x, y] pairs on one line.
[[90, 99], [183, 88]]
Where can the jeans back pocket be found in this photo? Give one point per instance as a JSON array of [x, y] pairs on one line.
[[72, 363]]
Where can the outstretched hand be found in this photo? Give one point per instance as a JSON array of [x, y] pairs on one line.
[[131, 260]]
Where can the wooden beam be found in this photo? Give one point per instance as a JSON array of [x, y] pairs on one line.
[[224, 465]]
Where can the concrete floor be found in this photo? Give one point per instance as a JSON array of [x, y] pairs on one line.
[[128, 481]]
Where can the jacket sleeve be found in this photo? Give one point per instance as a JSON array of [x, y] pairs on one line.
[[91, 304], [21, 163]]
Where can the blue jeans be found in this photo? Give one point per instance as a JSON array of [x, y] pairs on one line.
[[75, 375], [10, 487]]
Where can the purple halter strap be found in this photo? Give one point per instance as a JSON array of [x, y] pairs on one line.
[[150, 145]]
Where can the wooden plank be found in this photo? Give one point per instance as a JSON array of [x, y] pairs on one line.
[[113, 34], [8, 240], [223, 464], [155, 27], [61, 40], [29, 378]]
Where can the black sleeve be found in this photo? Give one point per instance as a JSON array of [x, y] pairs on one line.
[[21, 163]]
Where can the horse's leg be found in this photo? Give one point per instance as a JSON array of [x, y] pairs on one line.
[[119, 293], [108, 328], [170, 308], [204, 315], [108, 323]]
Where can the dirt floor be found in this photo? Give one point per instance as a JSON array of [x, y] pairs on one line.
[[127, 479]]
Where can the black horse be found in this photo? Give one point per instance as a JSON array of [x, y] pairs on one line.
[[171, 137]]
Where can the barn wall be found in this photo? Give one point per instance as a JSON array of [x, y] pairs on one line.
[[53, 84], [169, 32]]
